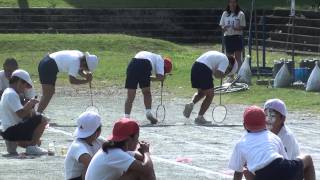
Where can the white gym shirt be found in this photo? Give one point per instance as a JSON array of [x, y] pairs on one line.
[[9, 105], [72, 167], [290, 143], [215, 61], [232, 21], [68, 61], [155, 60], [256, 150], [109, 166]]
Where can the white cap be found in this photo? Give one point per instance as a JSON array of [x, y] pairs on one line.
[[92, 61], [234, 68], [22, 74], [88, 122], [277, 105]]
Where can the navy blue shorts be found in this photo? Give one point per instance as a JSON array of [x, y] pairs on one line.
[[138, 72], [76, 178], [201, 76], [22, 131], [281, 169], [48, 71], [233, 43]]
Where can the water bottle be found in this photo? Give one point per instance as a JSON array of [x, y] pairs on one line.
[[52, 148]]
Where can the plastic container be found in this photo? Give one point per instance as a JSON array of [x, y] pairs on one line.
[[308, 63], [302, 74], [278, 64]]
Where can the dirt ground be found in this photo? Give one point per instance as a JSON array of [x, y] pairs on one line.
[[204, 150]]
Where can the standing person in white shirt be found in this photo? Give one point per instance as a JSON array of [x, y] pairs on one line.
[[263, 153], [83, 148], [10, 65], [233, 22], [276, 112], [73, 62], [211, 63], [139, 71], [20, 123], [115, 161]]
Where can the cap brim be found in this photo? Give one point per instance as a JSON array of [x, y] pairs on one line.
[[80, 134], [116, 138]]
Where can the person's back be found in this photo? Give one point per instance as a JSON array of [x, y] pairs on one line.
[[114, 162], [257, 149]]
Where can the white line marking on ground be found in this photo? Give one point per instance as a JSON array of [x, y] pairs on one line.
[[191, 167], [51, 129]]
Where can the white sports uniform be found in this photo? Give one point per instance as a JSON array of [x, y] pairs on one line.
[[156, 61], [290, 143], [109, 166], [68, 61], [72, 167], [256, 150], [232, 21]]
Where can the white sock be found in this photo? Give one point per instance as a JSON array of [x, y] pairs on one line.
[[126, 115]]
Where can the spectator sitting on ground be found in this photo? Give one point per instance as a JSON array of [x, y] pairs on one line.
[[116, 160], [276, 112], [86, 144]]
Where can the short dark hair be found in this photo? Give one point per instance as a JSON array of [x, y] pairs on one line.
[[10, 62]]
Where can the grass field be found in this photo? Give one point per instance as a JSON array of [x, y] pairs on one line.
[[115, 51], [267, 4]]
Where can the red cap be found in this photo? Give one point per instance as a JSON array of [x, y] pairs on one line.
[[167, 65], [254, 118], [123, 129]]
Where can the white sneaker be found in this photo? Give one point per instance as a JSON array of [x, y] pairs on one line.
[[151, 118], [202, 121], [187, 110], [36, 150]]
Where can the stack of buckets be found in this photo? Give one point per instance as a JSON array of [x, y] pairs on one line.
[[298, 74]]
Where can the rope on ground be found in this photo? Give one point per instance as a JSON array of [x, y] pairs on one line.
[[236, 87]]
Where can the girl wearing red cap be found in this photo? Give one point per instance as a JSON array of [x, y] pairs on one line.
[[263, 153], [139, 71], [116, 160]]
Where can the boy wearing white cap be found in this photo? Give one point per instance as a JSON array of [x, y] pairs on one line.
[[73, 62], [84, 146], [211, 63], [19, 123], [276, 112]]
